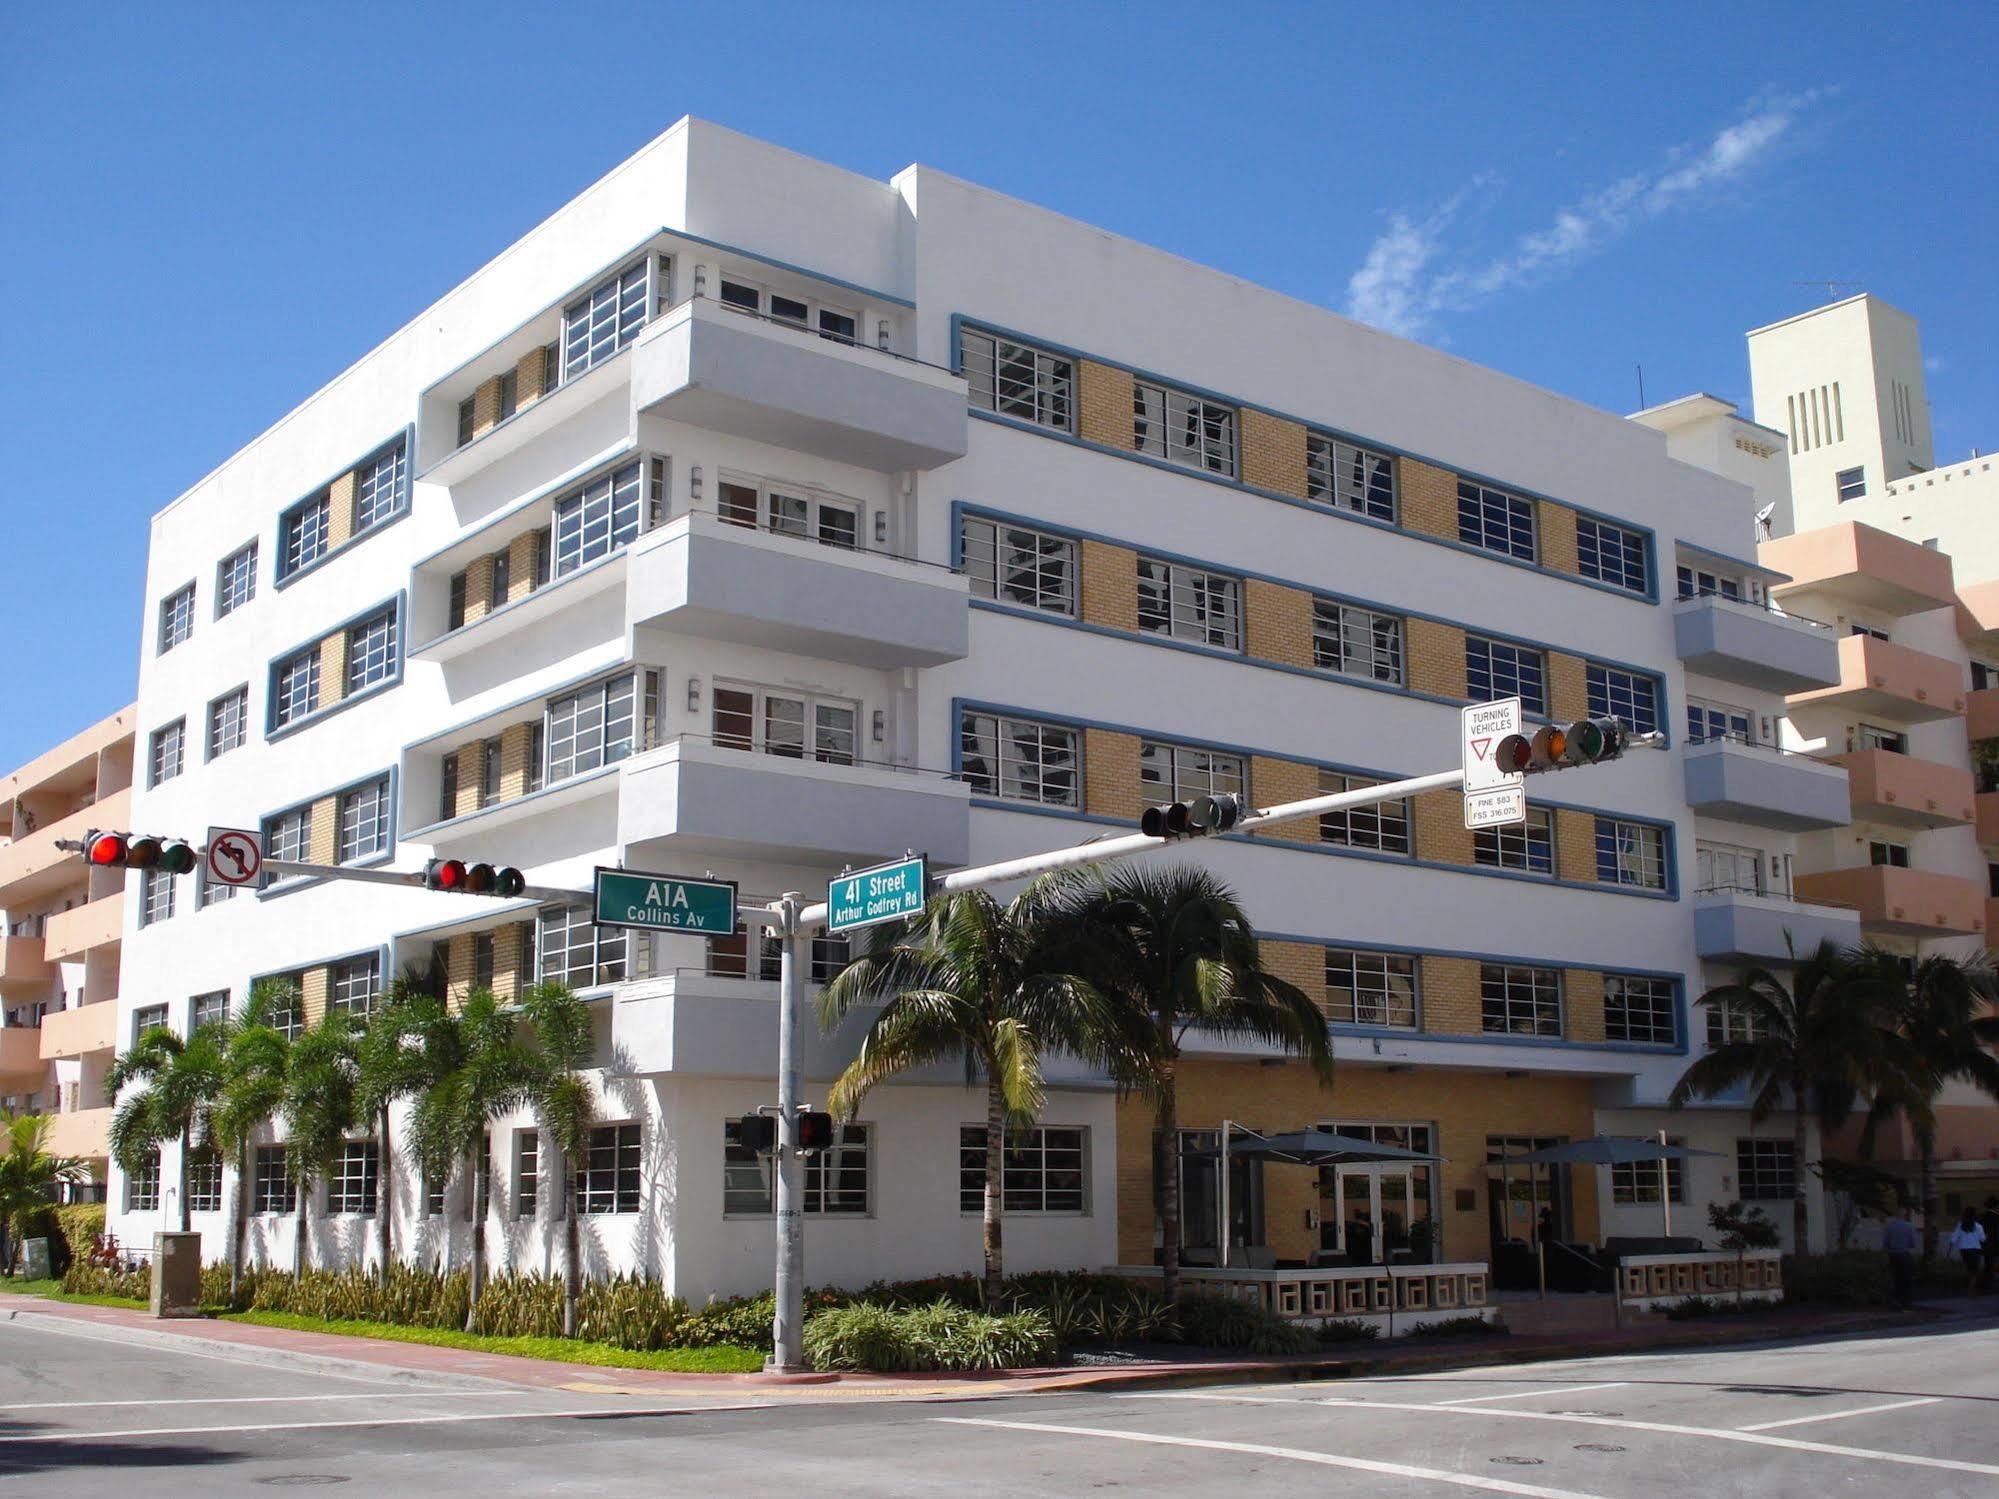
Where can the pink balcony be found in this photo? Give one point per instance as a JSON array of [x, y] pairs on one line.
[[81, 1031], [1981, 714], [32, 866], [1906, 791], [1978, 615], [85, 1133], [1881, 680], [72, 933], [1903, 902], [1988, 818], [20, 1052], [1861, 566], [23, 964]]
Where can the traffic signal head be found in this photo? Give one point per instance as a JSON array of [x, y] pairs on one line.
[[479, 879], [1592, 741], [1204, 814], [473, 879], [1168, 820], [444, 874], [757, 1132], [175, 858], [815, 1131], [509, 882], [105, 850], [1515, 754], [142, 853]]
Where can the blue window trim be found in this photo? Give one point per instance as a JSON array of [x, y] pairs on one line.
[[208, 756], [281, 579], [1668, 848], [286, 884], [274, 731], [215, 612], [962, 705], [383, 970], [1647, 544], [191, 588], [544, 494], [1651, 596]]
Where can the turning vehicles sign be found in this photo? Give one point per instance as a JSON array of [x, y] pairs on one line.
[[1493, 797]]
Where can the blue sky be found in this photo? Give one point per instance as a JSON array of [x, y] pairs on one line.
[[211, 210]]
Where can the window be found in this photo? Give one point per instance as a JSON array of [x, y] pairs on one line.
[[303, 534], [1627, 695], [142, 1186], [839, 327], [271, 1182], [296, 690], [169, 752], [1017, 380], [601, 724], [1042, 1170], [1870, 737], [285, 1013], [447, 788], [1638, 1181], [607, 1178], [1349, 478], [604, 320], [1697, 583], [1891, 855], [351, 985], [1630, 853], [350, 1185], [1383, 827], [176, 618], [1766, 1170], [537, 747], [1494, 521], [1183, 428], [1358, 642], [236, 580], [782, 723], [1708, 722], [1726, 1024], [503, 576], [489, 772], [364, 821], [729, 957], [379, 488], [1179, 773], [789, 510], [1016, 565], [573, 950], [156, 896], [1516, 1001], [1851, 484], [371, 650], [597, 519], [468, 419], [1639, 1010], [1725, 867], [204, 1179], [1612, 554], [527, 1170], [1370, 988], [147, 1018], [836, 1180], [1189, 603], [228, 722], [207, 1009], [1528, 846], [288, 837], [1495, 669]]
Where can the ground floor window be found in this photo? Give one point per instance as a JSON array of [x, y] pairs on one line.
[[527, 1171], [609, 1179], [142, 1184], [837, 1181], [271, 1181], [1042, 1170], [350, 1188], [1638, 1181], [204, 1180], [1766, 1170]]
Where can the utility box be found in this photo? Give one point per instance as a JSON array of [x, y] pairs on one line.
[[35, 1263], [177, 1275]]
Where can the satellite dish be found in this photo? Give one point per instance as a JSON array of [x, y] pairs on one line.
[[1763, 515]]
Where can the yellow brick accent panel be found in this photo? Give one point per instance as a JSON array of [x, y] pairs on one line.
[[313, 989], [1273, 453], [1568, 687], [1436, 658], [507, 963], [1429, 499], [1279, 781], [333, 668], [486, 407], [1582, 1004], [1575, 845], [1450, 996], [458, 969], [1110, 774], [1440, 831], [1465, 1107], [1278, 626], [324, 840], [471, 773], [340, 510], [520, 566], [514, 745], [1557, 527], [527, 376], [1300, 964], [1110, 586], [1103, 405], [478, 589]]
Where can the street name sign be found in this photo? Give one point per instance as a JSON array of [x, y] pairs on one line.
[[887, 892], [665, 902], [1493, 797]]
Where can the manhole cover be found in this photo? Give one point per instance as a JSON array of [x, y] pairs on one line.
[[1520, 1462], [1598, 1447], [300, 1480]]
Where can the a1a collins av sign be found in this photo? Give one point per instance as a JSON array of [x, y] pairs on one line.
[[885, 893], [665, 902]]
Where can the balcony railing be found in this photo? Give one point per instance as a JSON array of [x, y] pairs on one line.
[[1750, 642], [1748, 922], [1729, 776]]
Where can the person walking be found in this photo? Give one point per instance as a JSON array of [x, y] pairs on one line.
[[1898, 1238], [1989, 1221], [1967, 1242]]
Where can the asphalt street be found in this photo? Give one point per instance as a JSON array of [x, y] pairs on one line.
[[86, 1413]]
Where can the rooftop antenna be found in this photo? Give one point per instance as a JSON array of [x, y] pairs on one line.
[[1641, 387], [1832, 293]]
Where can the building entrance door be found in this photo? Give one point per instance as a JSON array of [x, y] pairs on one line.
[[1377, 1215]]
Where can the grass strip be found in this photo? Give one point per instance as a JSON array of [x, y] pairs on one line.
[[47, 1286], [723, 1360]]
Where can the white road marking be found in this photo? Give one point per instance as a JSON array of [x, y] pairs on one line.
[[447, 1420], [1291, 1454], [1573, 1389], [78, 1405], [1865, 1410], [1757, 1438]]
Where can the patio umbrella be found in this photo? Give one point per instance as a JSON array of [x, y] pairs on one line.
[[1612, 1150]]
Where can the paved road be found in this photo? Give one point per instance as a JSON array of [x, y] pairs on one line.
[[85, 1414]]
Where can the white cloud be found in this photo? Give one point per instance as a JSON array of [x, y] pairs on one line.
[[1408, 278]]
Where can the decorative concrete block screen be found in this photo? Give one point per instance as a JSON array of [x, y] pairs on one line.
[[1395, 1297], [1647, 1282]]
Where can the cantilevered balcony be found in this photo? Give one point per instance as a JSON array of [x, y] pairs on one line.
[[1764, 787], [1905, 791], [24, 963], [32, 866], [1902, 902], [1881, 680], [81, 1031], [1981, 714], [1987, 815], [695, 796], [82, 1133], [20, 1055], [72, 933], [1741, 925], [773, 382], [1736, 641], [1863, 567], [701, 575], [693, 1022]]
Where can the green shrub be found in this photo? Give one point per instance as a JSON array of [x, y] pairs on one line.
[[1217, 1322], [941, 1336], [1469, 1326], [862, 1337], [1347, 1330], [630, 1312], [85, 1279], [1859, 1277], [1689, 1308]]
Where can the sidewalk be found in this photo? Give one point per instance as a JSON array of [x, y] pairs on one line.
[[368, 1357]]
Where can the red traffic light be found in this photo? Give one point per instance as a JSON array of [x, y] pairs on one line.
[[1515, 754], [106, 850], [815, 1131], [444, 874]]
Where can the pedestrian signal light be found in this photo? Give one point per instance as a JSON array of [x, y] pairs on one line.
[[757, 1132], [815, 1131]]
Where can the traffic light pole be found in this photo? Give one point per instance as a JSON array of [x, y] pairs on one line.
[[788, 1320], [406, 878]]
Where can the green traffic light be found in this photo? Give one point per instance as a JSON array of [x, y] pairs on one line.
[[1586, 741]]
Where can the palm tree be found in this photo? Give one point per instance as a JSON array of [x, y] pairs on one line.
[[29, 1176], [974, 979], [1175, 951], [480, 1071], [319, 1108], [1822, 1042], [183, 1081], [394, 1061], [256, 1057], [565, 1104]]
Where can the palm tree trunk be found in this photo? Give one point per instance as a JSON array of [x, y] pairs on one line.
[[572, 1258], [995, 1168], [239, 1218], [1800, 1128], [480, 1189], [385, 1197], [184, 1133], [1926, 1188], [1169, 1184]]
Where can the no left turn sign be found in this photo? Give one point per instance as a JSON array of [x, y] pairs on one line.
[[235, 855]]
